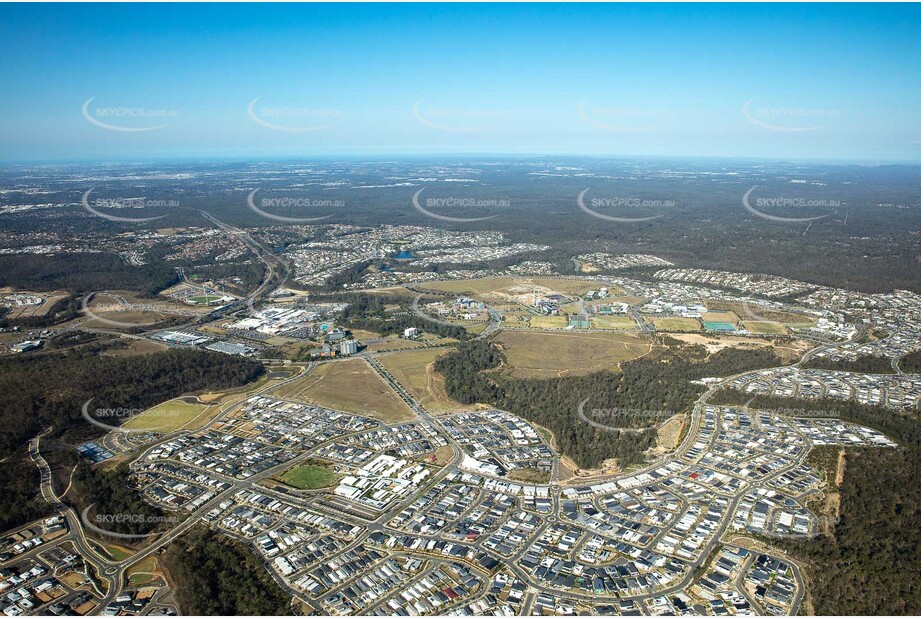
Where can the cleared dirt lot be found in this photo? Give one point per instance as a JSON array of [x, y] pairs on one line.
[[785, 349]]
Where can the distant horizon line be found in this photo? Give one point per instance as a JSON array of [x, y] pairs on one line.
[[370, 157]]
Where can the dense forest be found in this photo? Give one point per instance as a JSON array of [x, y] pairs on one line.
[[91, 272], [870, 565], [369, 312], [19, 478], [37, 391], [49, 390], [113, 494], [661, 386], [218, 576], [911, 363]]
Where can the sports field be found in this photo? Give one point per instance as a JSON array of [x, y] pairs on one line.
[[308, 476], [549, 354], [618, 322], [351, 386], [675, 325], [166, 417]]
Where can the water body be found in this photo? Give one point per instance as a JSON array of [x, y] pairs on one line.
[[404, 255]]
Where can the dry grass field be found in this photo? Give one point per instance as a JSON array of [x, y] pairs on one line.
[[617, 322], [765, 328], [506, 285], [351, 386], [675, 325], [758, 313], [786, 350], [549, 354], [548, 321], [137, 347], [414, 370], [722, 316], [167, 416]]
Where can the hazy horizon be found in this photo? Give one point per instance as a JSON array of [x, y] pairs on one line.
[[136, 82]]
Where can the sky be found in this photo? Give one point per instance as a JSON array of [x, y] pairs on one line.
[[130, 82]]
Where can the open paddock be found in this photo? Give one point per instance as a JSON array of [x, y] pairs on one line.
[[551, 354], [352, 386]]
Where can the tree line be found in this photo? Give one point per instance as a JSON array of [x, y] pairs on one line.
[[870, 564], [661, 386], [91, 272], [218, 576], [112, 494], [49, 390]]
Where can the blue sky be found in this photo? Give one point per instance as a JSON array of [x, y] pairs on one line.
[[803, 81]]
